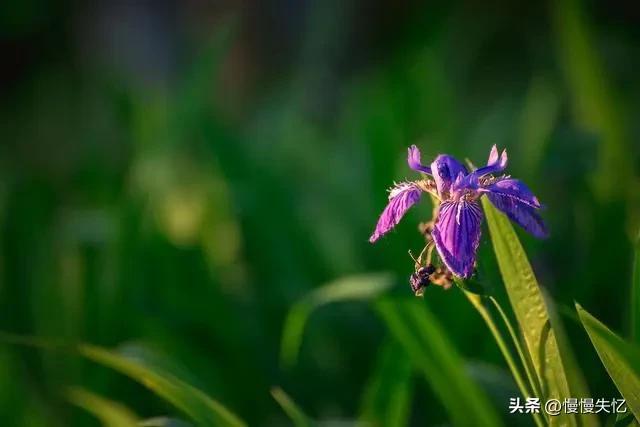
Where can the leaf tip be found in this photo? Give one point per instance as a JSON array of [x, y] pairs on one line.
[[580, 310]]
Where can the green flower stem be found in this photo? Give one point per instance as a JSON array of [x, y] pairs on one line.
[[476, 300], [524, 357]]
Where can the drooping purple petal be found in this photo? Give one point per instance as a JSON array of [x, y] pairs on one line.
[[457, 235], [445, 170], [413, 158], [521, 213], [515, 189], [401, 198]]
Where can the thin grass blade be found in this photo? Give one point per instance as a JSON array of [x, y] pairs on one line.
[[351, 288], [110, 413], [293, 411], [204, 410], [427, 345], [387, 398]]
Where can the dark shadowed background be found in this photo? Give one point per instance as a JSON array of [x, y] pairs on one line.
[[175, 175]]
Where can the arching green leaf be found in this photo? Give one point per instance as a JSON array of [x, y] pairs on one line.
[[110, 413], [197, 405], [620, 358], [358, 287]]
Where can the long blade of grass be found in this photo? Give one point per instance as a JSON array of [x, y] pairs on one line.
[[620, 358], [415, 328], [110, 413], [197, 405], [293, 411], [388, 396], [350, 288], [530, 309], [204, 410]]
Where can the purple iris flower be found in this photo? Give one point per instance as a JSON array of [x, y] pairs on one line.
[[456, 232]]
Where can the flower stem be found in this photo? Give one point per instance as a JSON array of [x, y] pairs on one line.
[[524, 357], [476, 301]]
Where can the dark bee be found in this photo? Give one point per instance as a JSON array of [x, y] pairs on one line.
[[420, 279]]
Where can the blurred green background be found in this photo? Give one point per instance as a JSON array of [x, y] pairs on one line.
[[174, 175]]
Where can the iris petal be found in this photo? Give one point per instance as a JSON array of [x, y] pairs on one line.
[[496, 163], [521, 213], [401, 198], [513, 188], [493, 155], [445, 170], [457, 235], [413, 158]]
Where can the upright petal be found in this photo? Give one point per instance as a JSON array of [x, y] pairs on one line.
[[496, 163], [521, 213], [401, 198], [493, 155], [445, 170], [413, 158], [457, 235], [515, 189]]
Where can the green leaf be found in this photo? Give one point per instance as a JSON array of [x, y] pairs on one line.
[[626, 419], [428, 347], [204, 410], [388, 396], [620, 358], [635, 295], [530, 309], [110, 413], [575, 376], [293, 411], [193, 402], [350, 288]]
